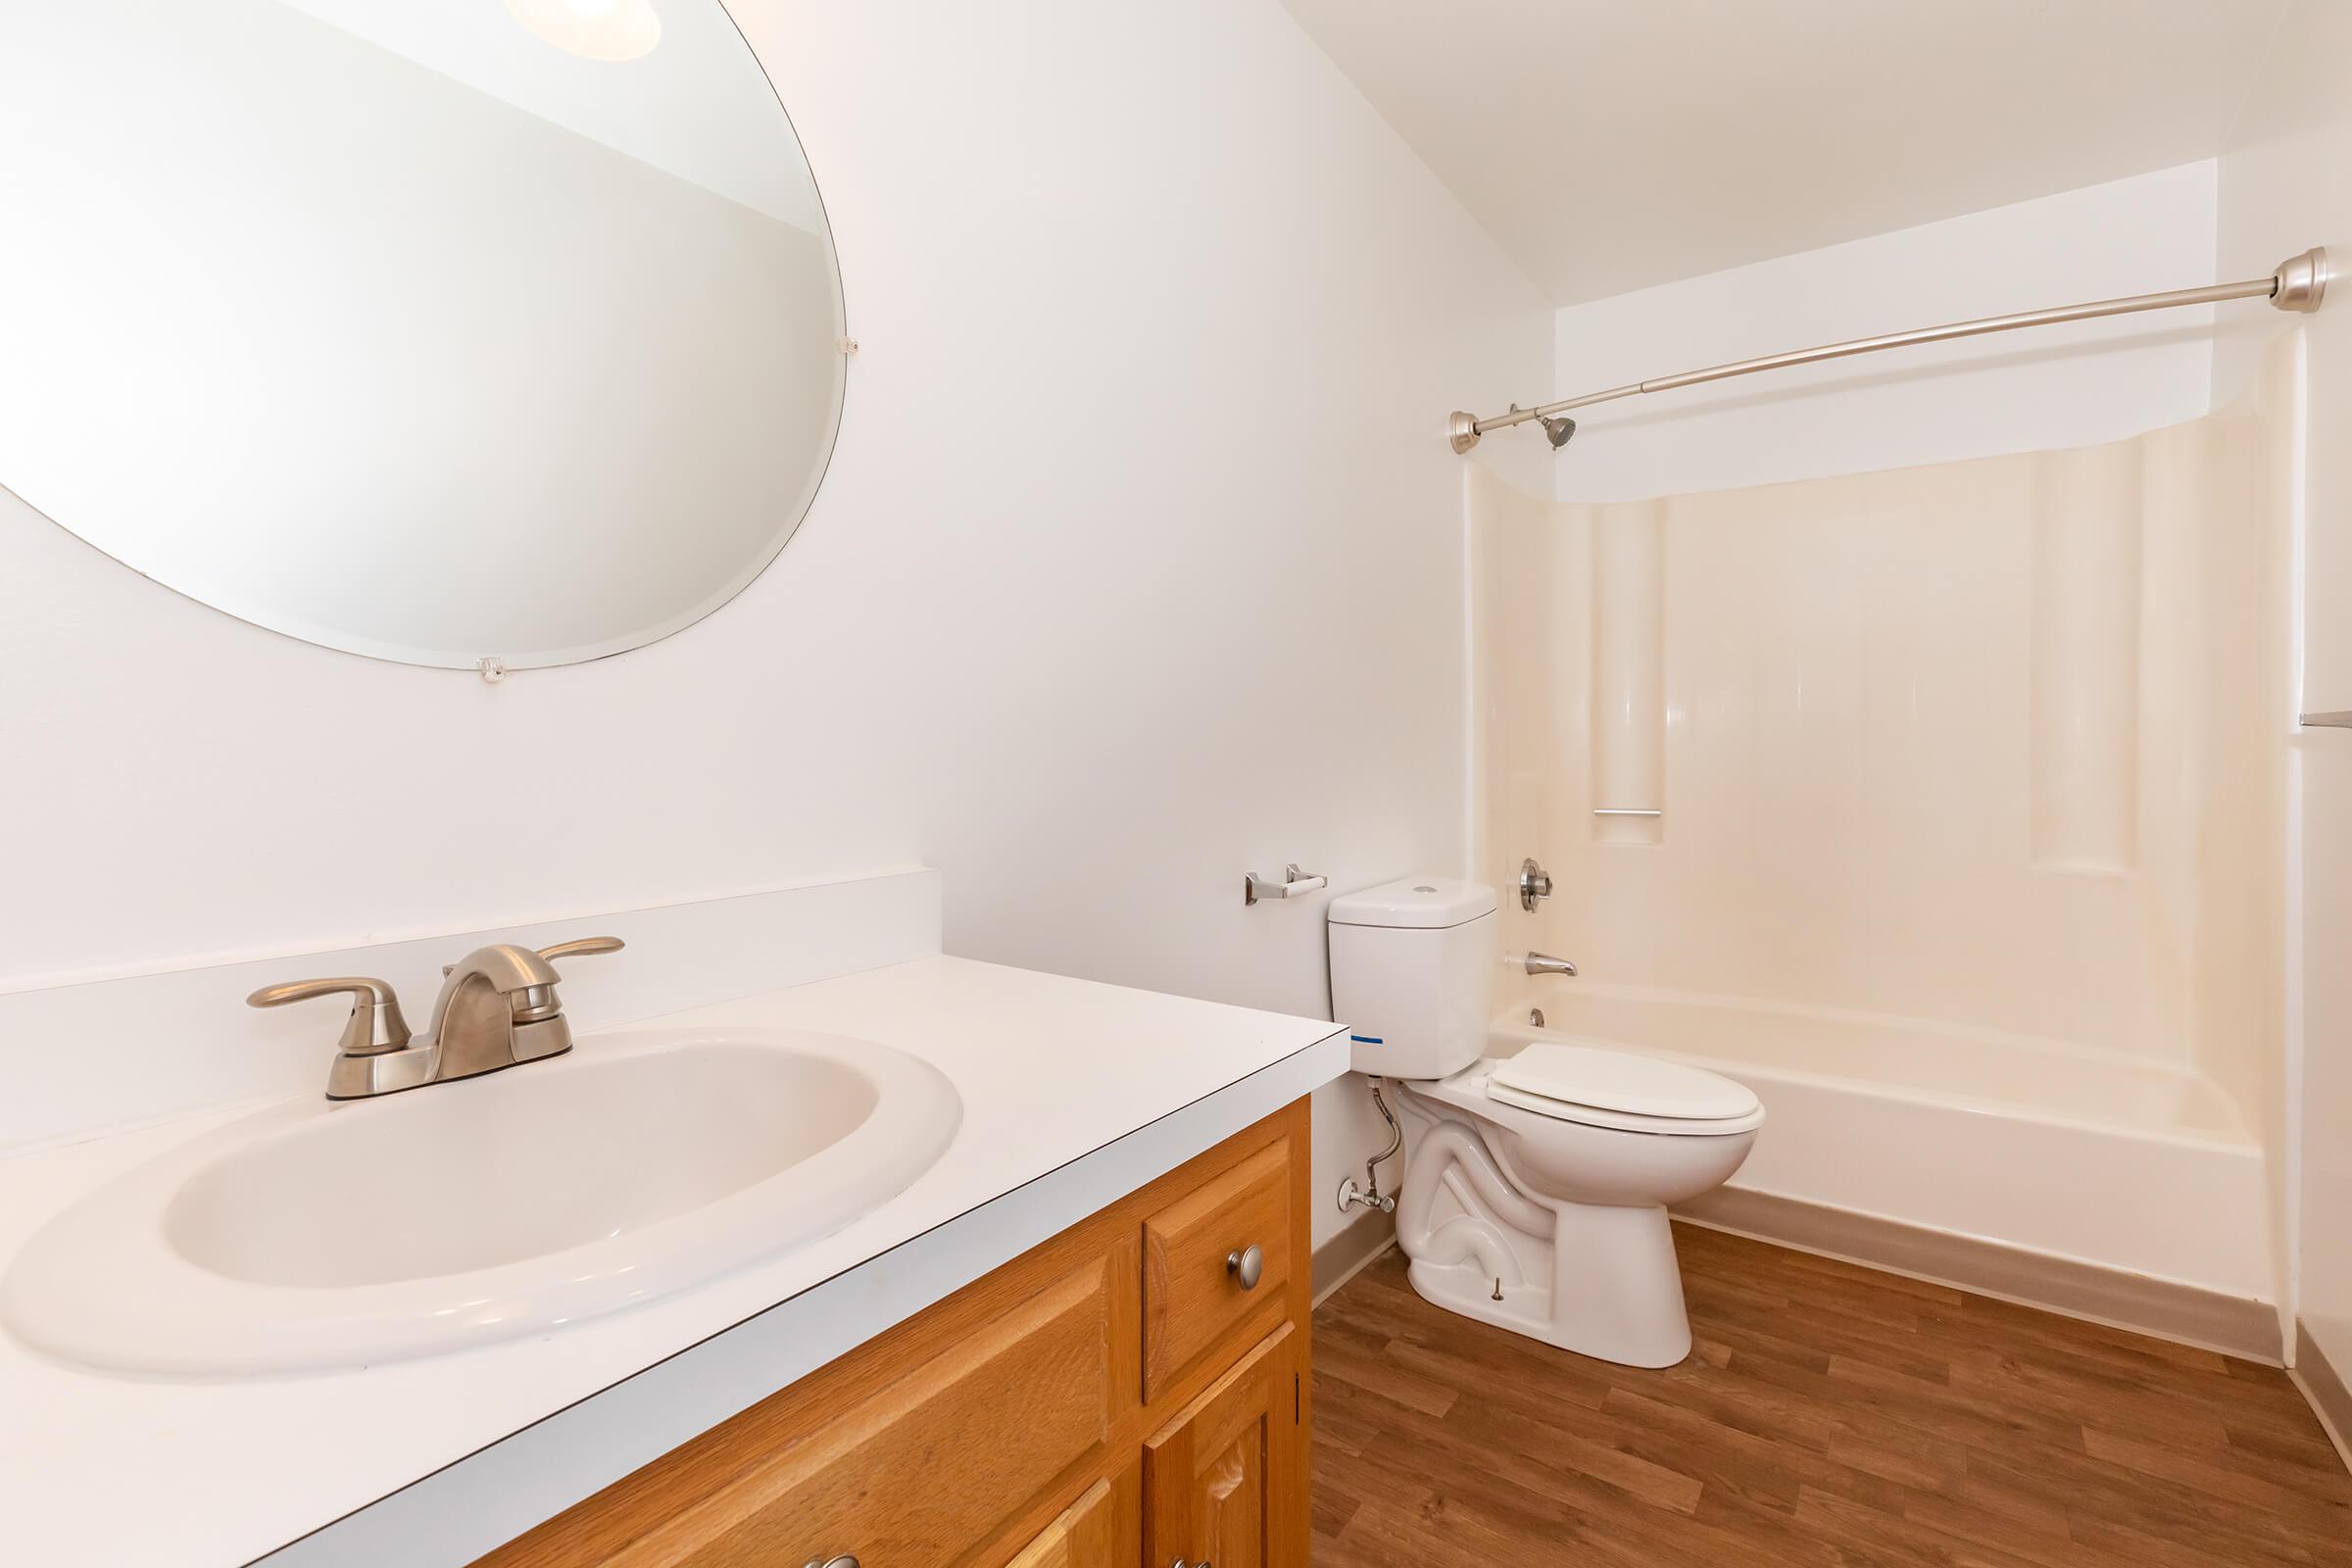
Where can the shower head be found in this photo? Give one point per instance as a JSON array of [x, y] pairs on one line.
[[1556, 430]]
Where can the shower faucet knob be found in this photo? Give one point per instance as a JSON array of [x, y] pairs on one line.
[[1534, 883]]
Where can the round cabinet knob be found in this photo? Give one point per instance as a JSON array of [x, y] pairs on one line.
[[844, 1560], [1248, 1266]]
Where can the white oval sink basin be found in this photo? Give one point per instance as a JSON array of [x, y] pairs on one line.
[[311, 1236]]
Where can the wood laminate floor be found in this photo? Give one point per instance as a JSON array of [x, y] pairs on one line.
[[1828, 1415]]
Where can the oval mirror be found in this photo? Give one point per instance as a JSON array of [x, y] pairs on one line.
[[438, 331]]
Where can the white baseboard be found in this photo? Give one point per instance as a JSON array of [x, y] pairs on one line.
[[2166, 1309], [1346, 1254], [2325, 1388]]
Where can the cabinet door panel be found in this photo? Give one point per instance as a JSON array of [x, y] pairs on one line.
[[1085, 1536], [1222, 1481]]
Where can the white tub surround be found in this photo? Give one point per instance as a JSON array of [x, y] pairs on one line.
[[1073, 1094], [1971, 850]]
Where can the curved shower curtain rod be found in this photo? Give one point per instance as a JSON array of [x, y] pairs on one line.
[[2297, 285]]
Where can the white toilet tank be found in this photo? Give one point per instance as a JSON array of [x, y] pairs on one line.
[[1413, 974]]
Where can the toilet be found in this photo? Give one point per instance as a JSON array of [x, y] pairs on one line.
[[1536, 1191]]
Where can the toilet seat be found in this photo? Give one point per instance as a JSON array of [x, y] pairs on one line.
[[1597, 1087]]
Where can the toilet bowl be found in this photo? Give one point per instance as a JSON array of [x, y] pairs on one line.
[[1568, 1205], [1536, 1185]]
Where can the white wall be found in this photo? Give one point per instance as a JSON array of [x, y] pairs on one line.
[[2066, 386], [1140, 564], [1966, 794], [2282, 188]]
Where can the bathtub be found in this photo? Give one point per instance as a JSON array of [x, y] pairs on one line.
[[2041, 1146]]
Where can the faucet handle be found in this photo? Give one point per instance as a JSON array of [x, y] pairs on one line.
[[540, 1002], [375, 1025], [537, 1012], [581, 947]]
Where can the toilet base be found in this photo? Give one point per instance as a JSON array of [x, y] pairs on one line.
[[1606, 1285]]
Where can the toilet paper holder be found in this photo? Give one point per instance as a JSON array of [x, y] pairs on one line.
[[1293, 882]]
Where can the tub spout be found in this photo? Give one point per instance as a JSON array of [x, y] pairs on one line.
[[1546, 964]]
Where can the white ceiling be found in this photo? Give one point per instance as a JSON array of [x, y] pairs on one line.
[[1613, 144]]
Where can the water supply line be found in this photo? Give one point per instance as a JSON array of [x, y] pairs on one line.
[[1369, 1194]]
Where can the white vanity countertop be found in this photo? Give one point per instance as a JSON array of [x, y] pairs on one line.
[[1074, 1093]]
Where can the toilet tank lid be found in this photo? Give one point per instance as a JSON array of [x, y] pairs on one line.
[[1414, 903]]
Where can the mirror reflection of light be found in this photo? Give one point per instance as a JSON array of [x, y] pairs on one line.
[[594, 29]]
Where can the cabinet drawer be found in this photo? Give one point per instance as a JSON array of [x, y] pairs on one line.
[[1194, 1297], [929, 1465]]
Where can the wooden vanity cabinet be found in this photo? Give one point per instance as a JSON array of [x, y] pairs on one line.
[[1115, 1397]]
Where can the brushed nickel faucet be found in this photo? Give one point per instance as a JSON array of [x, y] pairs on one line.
[[498, 1008]]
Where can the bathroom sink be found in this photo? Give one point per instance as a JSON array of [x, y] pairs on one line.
[[313, 1235]]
